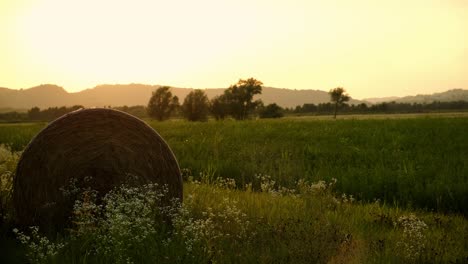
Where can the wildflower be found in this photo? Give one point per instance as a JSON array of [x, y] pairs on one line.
[[413, 239]]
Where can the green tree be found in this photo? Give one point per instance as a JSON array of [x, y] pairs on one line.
[[240, 97], [271, 111], [219, 107], [196, 106], [162, 103], [34, 113], [338, 96]]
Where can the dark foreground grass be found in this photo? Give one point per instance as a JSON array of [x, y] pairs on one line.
[[222, 225], [414, 162]]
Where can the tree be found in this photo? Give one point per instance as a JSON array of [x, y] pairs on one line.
[[219, 107], [271, 111], [162, 104], [239, 97], [339, 97], [196, 106], [34, 113]]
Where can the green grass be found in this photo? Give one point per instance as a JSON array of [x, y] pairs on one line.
[[400, 161], [309, 227], [413, 162], [18, 135], [315, 228], [410, 162]]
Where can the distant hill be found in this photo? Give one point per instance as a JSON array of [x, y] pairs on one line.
[[448, 96], [376, 100], [42, 95], [49, 95]]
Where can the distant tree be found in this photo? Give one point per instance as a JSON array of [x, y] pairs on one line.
[[240, 97], [306, 108], [219, 107], [34, 113], [136, 110], [196, 106], [362, 107], [162, 103], [271, 111], [339, 97], [13, 116]]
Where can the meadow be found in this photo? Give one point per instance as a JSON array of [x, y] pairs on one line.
[[297, 190], [408, 162]]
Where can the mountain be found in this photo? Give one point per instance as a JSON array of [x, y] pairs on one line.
[[448, 96], [42, 95], [49, 95], [376, 100]]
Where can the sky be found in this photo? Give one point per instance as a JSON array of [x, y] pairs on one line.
[[372, 48]]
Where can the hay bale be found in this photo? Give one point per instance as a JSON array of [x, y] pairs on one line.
[[102, 145]]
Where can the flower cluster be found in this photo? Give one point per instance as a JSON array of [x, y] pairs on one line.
[[267, 184], [225, 183], [125, 219], [413, 239], [215, 227], [40, 248], [318, 187]]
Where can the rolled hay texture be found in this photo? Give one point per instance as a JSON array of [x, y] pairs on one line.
[[97, 148]]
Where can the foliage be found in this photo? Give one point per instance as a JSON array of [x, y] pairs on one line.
[[237, 100], [384, 108], [271, 111], [196, 106], [413, 240], [17, 136], [36, 114], [162, 104], [136, 110], [392, 160], [39, 248], [51, 113], [8, 161], [219, 107], [339, 96], [217, 224], [414, 162]]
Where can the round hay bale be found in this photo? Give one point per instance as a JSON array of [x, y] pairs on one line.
[[102, 147]]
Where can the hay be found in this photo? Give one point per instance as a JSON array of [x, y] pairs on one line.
[[102, 145]]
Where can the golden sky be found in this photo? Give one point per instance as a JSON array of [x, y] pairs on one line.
[[372, 48]]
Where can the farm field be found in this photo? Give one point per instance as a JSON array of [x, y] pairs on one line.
[[385, 116], [416, 162], [400, 194]]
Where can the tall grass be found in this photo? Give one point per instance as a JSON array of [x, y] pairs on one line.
[[411, 162], [417, 162], [219, 223], [216, 224]]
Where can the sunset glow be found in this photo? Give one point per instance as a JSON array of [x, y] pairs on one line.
[[372, 48]]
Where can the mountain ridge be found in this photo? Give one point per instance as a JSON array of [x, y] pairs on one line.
[[48, 95], [51, 95], [456, 94]]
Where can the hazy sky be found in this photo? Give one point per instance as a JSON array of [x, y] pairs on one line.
[[370, 47]]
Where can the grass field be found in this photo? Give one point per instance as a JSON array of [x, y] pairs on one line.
[[408, 178], [416, 162]]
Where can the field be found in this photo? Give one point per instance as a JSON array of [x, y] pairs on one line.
[[418, 162], [404, 174]]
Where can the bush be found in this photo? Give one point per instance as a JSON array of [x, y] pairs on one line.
[[8, 161], [271, 111]]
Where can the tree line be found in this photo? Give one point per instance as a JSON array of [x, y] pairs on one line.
[[380, 108], [36, 114], [238, 102]]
